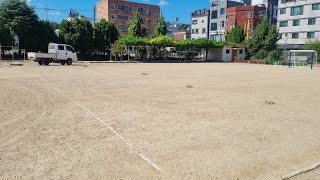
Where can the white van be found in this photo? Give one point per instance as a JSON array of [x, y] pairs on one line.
[[57, 53]]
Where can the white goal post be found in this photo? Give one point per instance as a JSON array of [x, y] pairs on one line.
[[302, 58]]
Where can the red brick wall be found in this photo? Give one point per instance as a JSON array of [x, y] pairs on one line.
[[104, 11], [182, 35], [239, 16]]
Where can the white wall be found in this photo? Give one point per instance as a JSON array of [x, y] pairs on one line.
[[202, 22], [221, 55]]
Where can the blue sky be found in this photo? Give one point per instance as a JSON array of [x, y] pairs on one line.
[[170, 8]]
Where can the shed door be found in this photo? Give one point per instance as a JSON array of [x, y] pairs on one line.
[[234, 54]]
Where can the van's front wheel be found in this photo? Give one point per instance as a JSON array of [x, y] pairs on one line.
[[40, 62], [63, 62], [69, 62]]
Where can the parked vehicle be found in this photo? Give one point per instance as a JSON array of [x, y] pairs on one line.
[[57, 53]]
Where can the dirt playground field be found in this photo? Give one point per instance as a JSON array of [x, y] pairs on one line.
[[158, 121]]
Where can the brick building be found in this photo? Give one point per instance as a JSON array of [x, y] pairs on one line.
[[248, 17], [182, 34], [121, 12]]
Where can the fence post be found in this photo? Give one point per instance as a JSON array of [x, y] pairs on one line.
[[312, 57], [0, 51], [12, 54], [289, 59]]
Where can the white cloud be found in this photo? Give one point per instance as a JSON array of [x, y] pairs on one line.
[[163, 3]]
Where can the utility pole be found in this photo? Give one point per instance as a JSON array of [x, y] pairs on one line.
[[94, 14]]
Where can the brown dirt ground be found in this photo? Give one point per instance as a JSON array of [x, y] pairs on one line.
[[158, 121]]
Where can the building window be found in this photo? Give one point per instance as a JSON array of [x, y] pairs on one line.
[[214, 14], [222, 23], [298, 10], [213, 26], [296, 23], [316, 6], [227, 16], [283, 24], [241, 51], [197, 31], [113, 16], [194, 21], [203, 30], [214, 4], [113, 7], [222, 11], [283, 11], [310, 35], [280, 36], [250, 14], [119, 16], [227, 51], [295, 35], [312, 21], [119, 7], [250, 26]]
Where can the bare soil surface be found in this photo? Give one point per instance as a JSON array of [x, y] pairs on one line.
[[158, 121]]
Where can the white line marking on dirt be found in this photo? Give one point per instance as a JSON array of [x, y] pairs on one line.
[[301, 171], [148, 160]]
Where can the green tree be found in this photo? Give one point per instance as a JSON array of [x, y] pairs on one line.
[[79, 34], [40, 37], [137, 27], [117, 48], [6, 38], [236, 35], [163, 42], [161, 28], [105, 34], [313, 45], [264, 40], [17, 16]]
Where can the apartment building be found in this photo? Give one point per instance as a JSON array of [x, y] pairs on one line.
[[121, 12], [200, 24], [218, 17], [247, 17], [298, 21], [271, 8]]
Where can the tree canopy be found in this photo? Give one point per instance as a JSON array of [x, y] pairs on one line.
[[264, 40], [236, 35], [137, 27], [105, 34], [39, 38], [78, 33], [18, 17], [5, 35], [313, 45], [161, 28]]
